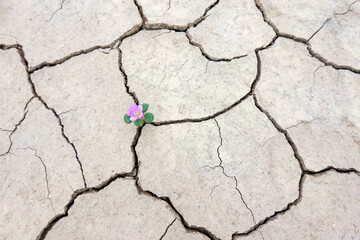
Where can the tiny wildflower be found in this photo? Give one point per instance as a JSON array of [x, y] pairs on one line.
[[138, 115]]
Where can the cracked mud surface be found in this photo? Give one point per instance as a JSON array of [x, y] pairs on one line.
[[256, 132]]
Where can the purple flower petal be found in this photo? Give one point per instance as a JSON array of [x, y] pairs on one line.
[[133, 107], [135, 112]]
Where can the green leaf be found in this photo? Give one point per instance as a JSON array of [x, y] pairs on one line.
[[127, 119], [149, 117], [145, 107], [138, 122]]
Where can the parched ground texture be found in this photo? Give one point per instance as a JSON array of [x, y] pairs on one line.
[[257, 119]]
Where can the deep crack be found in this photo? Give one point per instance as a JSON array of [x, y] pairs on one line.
[[304, 171], [276, 213], [284, 132], [33, 89], [206, 55], [104, 184], [134, 173], [178, 28], [126, 81], [141, 12], [42, 235], [191, 228], [135, 29], [212, 116], [296, 201], [305, 41], [7, 47]]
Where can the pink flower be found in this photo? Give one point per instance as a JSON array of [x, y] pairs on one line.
[[135, 112]]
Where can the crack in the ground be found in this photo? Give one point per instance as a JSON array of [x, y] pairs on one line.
[[261, 8], [331, 64], [275, 214], [135, 29], [16, 127], [135, 170], [212, 189], [52, 15], [126, 84], [284, 132], [42, 235], [212, 116], [104, 184], [13, 131], [9, 35], [304, 171], [304, 174], [191, 228], [194, 120], [46, 178], [133, 150], [130, 175], [166, 230], [313, 83], [206, 55], [169, 6], [184, 28], [141, 12], [303, 123], [67, 111], [327, 20], [331, 168], [228, 176], [33, 89], [46, 175], [134, 173], [163, 26], [7, 47], [178, 28], [203, 17], [64, 59]]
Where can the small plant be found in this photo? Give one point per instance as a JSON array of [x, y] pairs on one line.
[[138, 115]]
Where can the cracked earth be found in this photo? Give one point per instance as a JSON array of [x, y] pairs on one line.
[[257, 119]]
